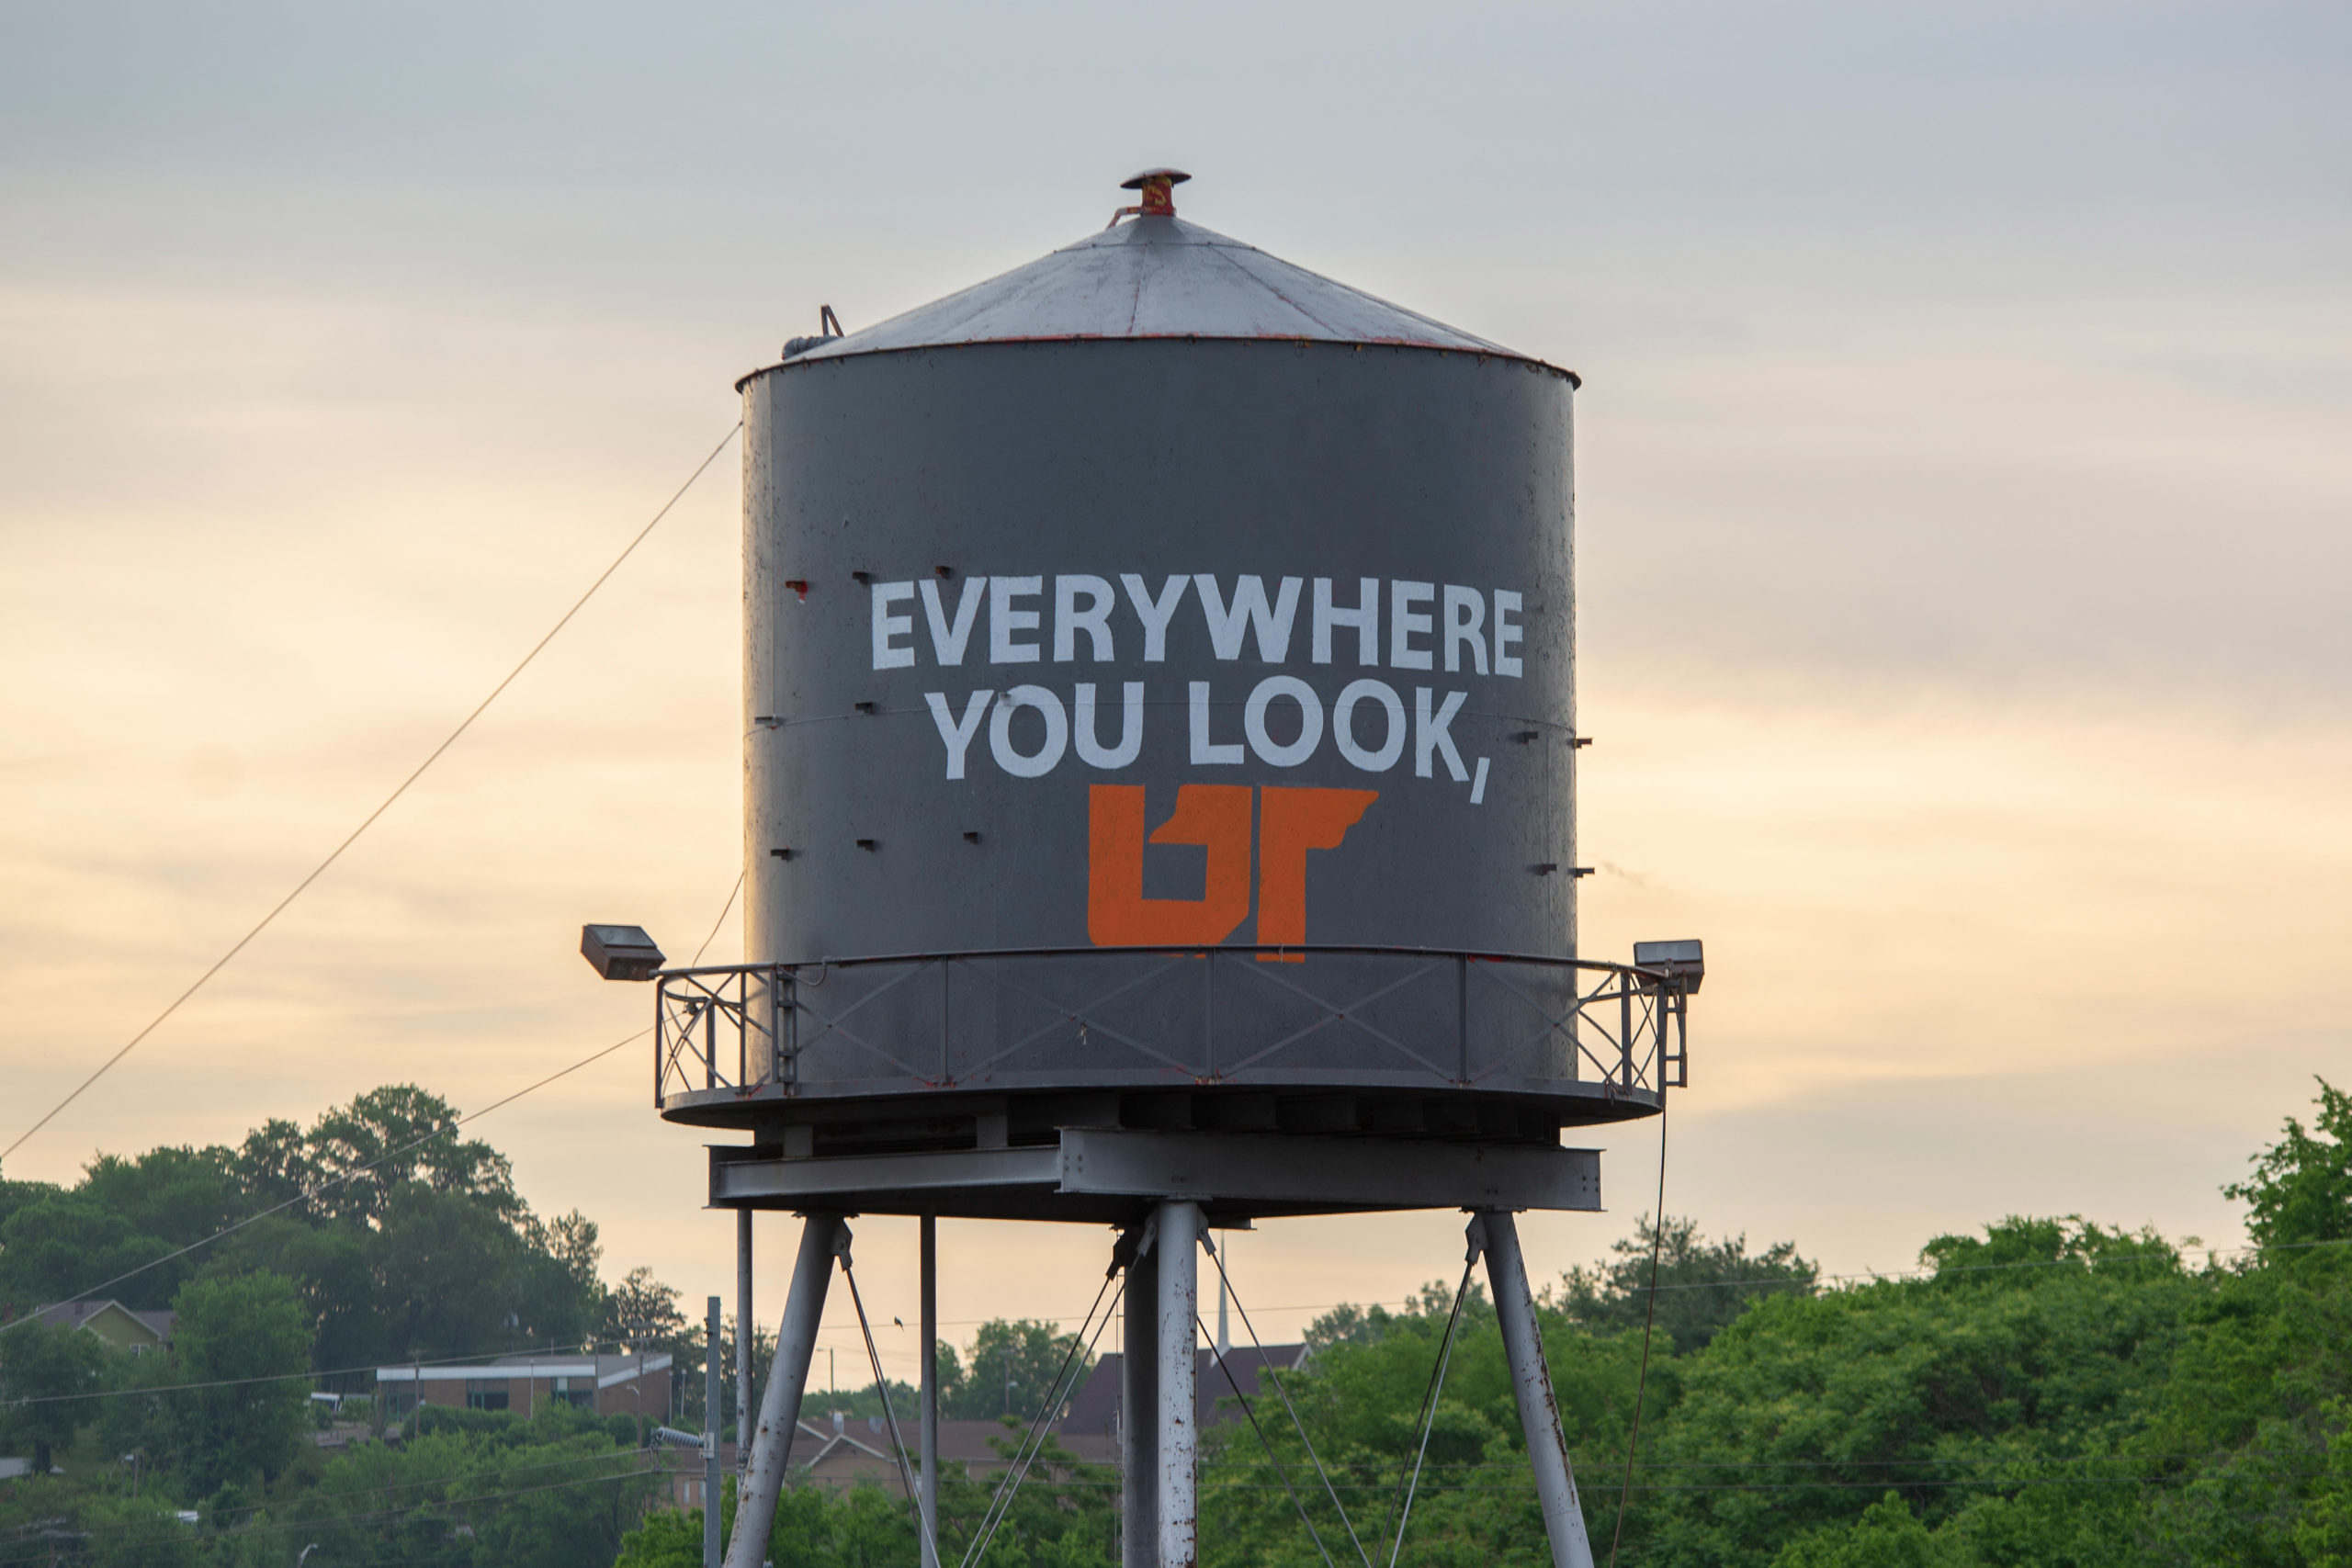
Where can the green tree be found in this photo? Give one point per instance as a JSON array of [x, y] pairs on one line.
[[1360, 1400], [643, 1313], [394, 1137], [336, 1267], [2300, 1193], [1011, 1366], [553, 1491], [449, 1274], [2323, 1533], [763, 1353], [140, 1531], [1995, 1260], [1065, 1514], [42, 1371], [1701, 1285], [1887, 1536], [236, 1406], [1943, 1390], [178, 1195], [59, 1245]]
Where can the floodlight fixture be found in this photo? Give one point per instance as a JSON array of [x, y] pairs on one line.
[[620, 952], [1684, 961]]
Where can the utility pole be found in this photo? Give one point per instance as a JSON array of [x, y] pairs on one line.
[[928, 1322], [711, 1373]]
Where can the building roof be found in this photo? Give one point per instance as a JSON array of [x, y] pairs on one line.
[[1095, 1411], [1154, 277], [608, 1370], [84, 1315], [861, 1446]]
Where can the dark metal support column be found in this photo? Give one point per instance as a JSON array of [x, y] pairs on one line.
[[744, 1336], [1179, 1251], [1139, 1409], [1539, 1412], [822, 1237]]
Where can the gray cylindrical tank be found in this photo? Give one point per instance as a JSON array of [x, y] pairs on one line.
[[1154, 598]]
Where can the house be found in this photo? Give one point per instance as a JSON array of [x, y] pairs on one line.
[[839, 1451], [119, 1326], [843, 1451], [1094, 1413], [636, 1385], [681, 1470]]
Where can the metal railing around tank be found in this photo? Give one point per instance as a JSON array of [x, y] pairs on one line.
[[917, 1022]]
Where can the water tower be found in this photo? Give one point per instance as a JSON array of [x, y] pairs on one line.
[[1160, 753]]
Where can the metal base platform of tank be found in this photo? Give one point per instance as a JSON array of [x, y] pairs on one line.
[[906, 1086]]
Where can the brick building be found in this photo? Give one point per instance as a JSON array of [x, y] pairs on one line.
[[608, 1386]]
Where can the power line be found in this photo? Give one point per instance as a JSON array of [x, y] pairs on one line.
[[336, 853], [307, 1193], [727, 909], [310, 1192]]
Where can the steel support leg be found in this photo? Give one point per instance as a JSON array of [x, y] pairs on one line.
[[1179, 1251], [714, 1361], [1539, 1413], [822, 1238], [744, 1336], [930, 1416], [1139, 1413]]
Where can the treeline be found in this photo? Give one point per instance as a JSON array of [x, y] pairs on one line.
[[2051, 1393], [377, 1234], [412, 1243]]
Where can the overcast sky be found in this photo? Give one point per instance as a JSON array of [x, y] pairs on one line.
[[1966, 462]]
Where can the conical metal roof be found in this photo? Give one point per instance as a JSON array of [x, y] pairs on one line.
[[1156, 276]]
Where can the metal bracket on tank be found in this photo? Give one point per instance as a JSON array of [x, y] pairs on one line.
[[735, 1027]]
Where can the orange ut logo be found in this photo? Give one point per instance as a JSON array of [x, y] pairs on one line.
[[1216, 817]]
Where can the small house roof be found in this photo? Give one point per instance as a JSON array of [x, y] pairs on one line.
[[157, 1325], [1095, 1410]]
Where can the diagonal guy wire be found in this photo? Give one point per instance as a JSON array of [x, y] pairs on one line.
[[882, 1387], [1428, 1423], [310, 1192], [1304, 1441], [1280, 1469], [320, 870], [1000, 1505]]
